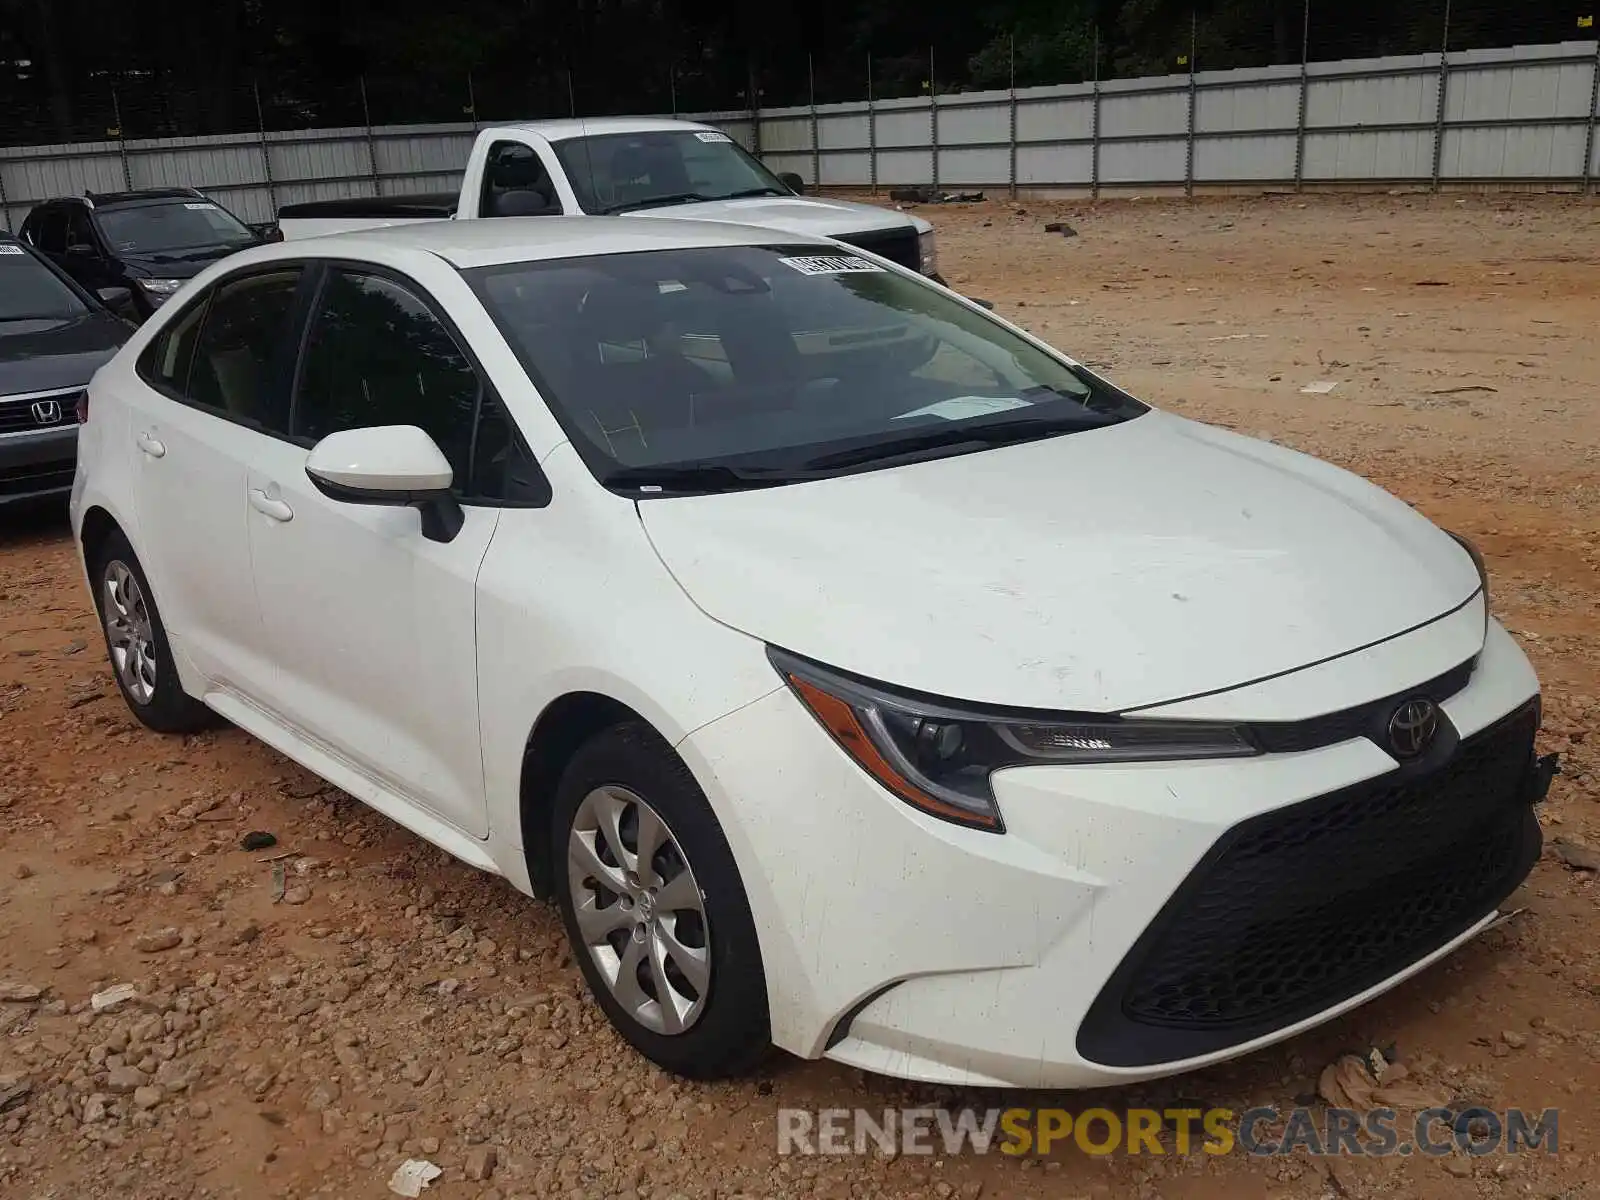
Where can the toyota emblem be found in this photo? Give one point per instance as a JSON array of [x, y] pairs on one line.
[[1413, 726], [46, 412]]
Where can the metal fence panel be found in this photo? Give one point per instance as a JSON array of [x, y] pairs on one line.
[[974, 167], [1055, 119], [1263, 158], [1063, 166]]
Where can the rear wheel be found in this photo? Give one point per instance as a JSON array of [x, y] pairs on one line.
[[136, 642], [655, 909]]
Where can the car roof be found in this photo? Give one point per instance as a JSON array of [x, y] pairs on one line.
[[103, 200], [563, 129], [143, 196], [481, 243]]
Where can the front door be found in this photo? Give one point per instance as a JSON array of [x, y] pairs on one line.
[[374, 627]]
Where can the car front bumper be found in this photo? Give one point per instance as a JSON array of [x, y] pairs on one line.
[[37, 466], [1135, 920]]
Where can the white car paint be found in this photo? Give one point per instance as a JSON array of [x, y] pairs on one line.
[[805, 215], [398, 458], [1089, 605], [1155, 563]]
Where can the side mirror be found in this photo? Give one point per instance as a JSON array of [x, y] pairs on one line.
[[119, 300], [396, 465], [80, 248], [793, 182]]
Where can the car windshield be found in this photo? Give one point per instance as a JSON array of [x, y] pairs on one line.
[[176, 226], [718, 367], [626, 172], [29, 290]]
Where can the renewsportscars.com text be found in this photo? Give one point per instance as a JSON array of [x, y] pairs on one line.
[[1259, 1132]]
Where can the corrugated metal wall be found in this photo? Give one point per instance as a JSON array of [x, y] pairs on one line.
[[1522, 115]]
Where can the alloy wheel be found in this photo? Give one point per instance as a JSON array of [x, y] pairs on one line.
[[639, 910], [128, 632]]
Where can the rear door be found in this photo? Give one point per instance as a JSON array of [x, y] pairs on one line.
[[214, 389], [373, 627]]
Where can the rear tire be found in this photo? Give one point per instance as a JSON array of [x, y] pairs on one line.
[[136, 642], [654, 907]]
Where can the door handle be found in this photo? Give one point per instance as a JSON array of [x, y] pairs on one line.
[[270, 506], [151, 446]]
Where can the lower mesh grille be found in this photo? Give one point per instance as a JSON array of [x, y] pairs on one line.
[[1296, 910]]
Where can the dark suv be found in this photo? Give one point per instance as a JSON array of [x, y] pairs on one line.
[[53, 337], [149, 242]]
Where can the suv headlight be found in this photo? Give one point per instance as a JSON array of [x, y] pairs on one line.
[[929, 252], [938, 756], [159, 290]]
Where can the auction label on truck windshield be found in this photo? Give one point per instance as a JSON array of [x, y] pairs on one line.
[[707, 135], [199, 207], [5, 249], [829, 264]]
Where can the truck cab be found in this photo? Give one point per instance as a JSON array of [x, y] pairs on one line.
[[639, 166]]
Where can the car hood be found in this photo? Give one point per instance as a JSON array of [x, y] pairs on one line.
[[1098, 571], [794, 214], [39, 355], [177, 264]]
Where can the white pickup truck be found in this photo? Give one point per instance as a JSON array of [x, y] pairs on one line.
[[640, 166]]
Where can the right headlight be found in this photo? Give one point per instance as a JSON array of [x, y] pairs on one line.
[[939, 756], [159, 290]]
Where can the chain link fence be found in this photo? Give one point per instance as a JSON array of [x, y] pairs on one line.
[[1167, 96], [1147, 38]]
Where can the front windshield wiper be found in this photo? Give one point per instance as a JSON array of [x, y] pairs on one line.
[[691, 198], [655, 201], [703, 477], [994, 433]]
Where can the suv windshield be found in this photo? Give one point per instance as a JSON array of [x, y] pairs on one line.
[[622, 172], [178, 225], [710, 368], [29, 290]]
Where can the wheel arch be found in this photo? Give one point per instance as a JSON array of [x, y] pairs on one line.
[[97, 525], [566, 723]]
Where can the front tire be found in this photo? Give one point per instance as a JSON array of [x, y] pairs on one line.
[[654, 907], [136, 643]]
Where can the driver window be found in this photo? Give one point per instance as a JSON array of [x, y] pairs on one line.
[[516, 183]]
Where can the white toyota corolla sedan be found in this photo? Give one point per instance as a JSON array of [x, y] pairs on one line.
[[859, 674]]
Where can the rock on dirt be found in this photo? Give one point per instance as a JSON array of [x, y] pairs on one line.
[[157, 941], [480, 1164]]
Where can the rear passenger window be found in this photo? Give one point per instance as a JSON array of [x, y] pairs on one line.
[[376, 355], [238, 357], [167, 361]]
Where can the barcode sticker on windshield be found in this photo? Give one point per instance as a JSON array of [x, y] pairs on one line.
[[199, 207], [5, 249], [709, 135], [829, 264]]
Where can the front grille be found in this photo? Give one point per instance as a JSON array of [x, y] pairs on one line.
[[17, 416], [1298, 909], [37, 480], [897, 245], [1364, 720]]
